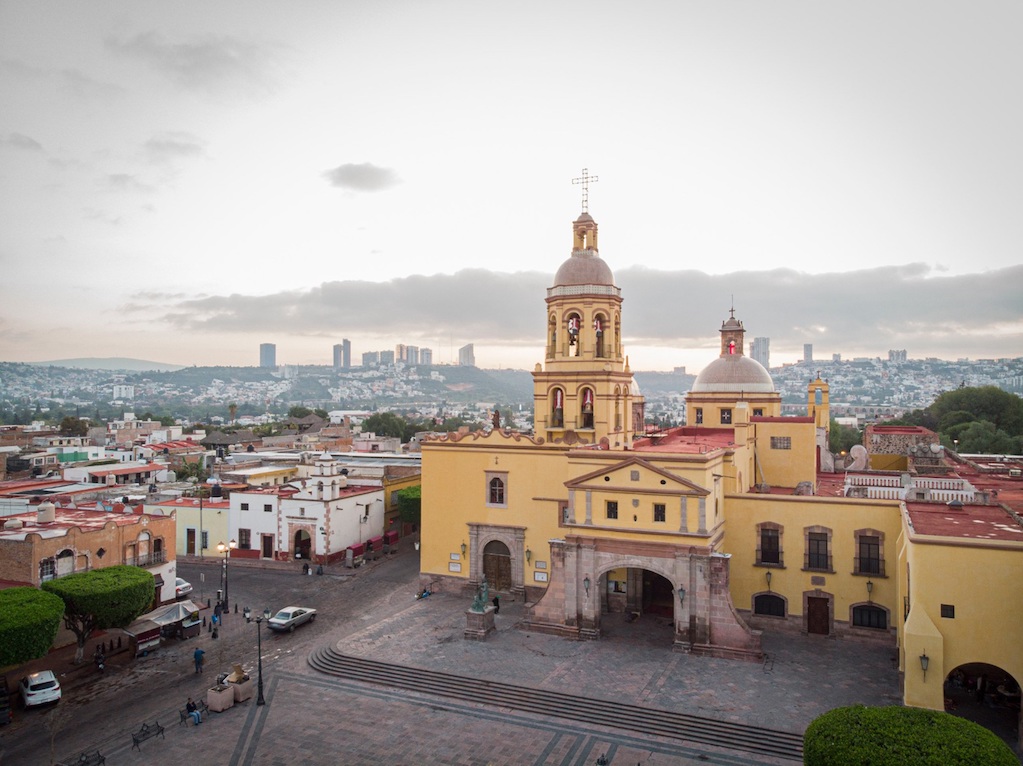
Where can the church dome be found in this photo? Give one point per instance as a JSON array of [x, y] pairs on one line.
[[585, 267], [734, 373]]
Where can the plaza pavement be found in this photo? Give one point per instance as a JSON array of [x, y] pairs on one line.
[[312, 718]]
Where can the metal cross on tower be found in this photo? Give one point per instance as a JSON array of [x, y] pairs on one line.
[[585, 179]]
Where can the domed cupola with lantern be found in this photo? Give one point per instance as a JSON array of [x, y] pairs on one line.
[[583, 393], [731, 378]]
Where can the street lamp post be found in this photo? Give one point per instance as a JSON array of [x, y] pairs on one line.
[[226, 550], [259, 650]]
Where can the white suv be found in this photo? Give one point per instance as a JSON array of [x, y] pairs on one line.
[[39, 688]]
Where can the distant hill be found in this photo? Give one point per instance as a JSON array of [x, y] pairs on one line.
[[114, 363]]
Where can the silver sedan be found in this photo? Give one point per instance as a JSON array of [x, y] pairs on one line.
[[291, 617]]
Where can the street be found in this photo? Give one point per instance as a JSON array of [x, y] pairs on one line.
[[97, 711]]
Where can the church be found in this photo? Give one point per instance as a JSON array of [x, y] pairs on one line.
[[732, 525]]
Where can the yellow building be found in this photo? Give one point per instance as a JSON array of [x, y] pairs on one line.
[[728, 525]]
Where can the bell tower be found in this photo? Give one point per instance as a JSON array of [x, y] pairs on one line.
[[583, 392]]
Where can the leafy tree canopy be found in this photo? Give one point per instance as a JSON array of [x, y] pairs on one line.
[[900, 736], [298, 412], [29, 619], [72, 426], [842, 437], [410, 504], [983, 419], [102, 598], [385, 424]]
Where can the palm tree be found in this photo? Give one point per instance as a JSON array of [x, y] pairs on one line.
[[233, 409]]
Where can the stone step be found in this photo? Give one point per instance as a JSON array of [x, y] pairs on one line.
[[633, 718]]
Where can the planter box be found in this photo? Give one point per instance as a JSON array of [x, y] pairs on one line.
[[243, 690], [220, 698]]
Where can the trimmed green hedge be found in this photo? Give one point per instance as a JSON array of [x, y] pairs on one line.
[[410, 504], [29, 620], [104, 598], [901, 736]]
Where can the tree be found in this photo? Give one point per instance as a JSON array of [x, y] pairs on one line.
[[842, 438], [232, 409], [385, 424], [900, 736], [102, 598], [72, 426], [410, 501], [321, 413], [298, 412], [29, 620]]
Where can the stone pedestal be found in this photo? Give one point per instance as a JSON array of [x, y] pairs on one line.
[[243, 690], [479, 625], [220, 698]]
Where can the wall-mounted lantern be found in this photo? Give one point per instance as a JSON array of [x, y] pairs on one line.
[[586, 585], [768, 576], [870, 589], [464, 548], [681, 596], [529, 555], [924, 662]]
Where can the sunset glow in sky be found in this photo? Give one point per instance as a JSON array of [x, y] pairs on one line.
[[182, 181]]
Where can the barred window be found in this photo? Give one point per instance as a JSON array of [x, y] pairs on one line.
[[781, 442], [870, 617], [770, 546], [244, 539], [612, 509], [245, 506], [726, 417], [767, 604], [659, 512]]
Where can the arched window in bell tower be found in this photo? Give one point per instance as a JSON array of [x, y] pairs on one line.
[[557, 408], [586, 411], [599, 323], [552, 336], [618, 408], [573, 323], [618, 336]]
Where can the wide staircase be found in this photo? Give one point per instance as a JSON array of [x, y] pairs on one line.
[[633, 718]]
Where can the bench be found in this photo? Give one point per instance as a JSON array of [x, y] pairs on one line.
[[201, 706], [146, 732]]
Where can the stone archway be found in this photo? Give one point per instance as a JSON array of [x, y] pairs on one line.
[[510, 547], [303, 547], [497, 565], [988, 696], [705, 621]]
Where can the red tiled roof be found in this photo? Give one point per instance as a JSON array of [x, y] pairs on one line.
[[976, 522], [687, 440]]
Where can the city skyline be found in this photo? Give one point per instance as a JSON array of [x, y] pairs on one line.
[[843, 177]]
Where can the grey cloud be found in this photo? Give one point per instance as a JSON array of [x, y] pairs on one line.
[[21, 141], [172, 146], [892, 307], [127, 182], [206, 63], [365, 177]]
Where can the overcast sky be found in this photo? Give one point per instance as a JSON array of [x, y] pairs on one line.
[[182, 181]]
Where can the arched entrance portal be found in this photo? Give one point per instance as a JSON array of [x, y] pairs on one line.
[[986, 695], [303, 544], [497, 566], [637, 603]]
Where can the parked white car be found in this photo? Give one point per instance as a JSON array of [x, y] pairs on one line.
[[39, 688], [182, 588], [290, 617]]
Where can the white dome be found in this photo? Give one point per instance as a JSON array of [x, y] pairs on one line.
[[734, 374]]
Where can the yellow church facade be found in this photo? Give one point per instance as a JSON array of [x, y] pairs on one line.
[[725, 524]]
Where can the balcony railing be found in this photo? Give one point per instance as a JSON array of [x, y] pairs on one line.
[[148, 560], [868, 566], [770, 557], [818, 562]]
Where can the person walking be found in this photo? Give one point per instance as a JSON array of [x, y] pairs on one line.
[[197, 655], [193, 710]]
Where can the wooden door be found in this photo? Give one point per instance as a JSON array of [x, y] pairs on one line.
[[818, 620], [497, 565], [268, 546], [190, 542]]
